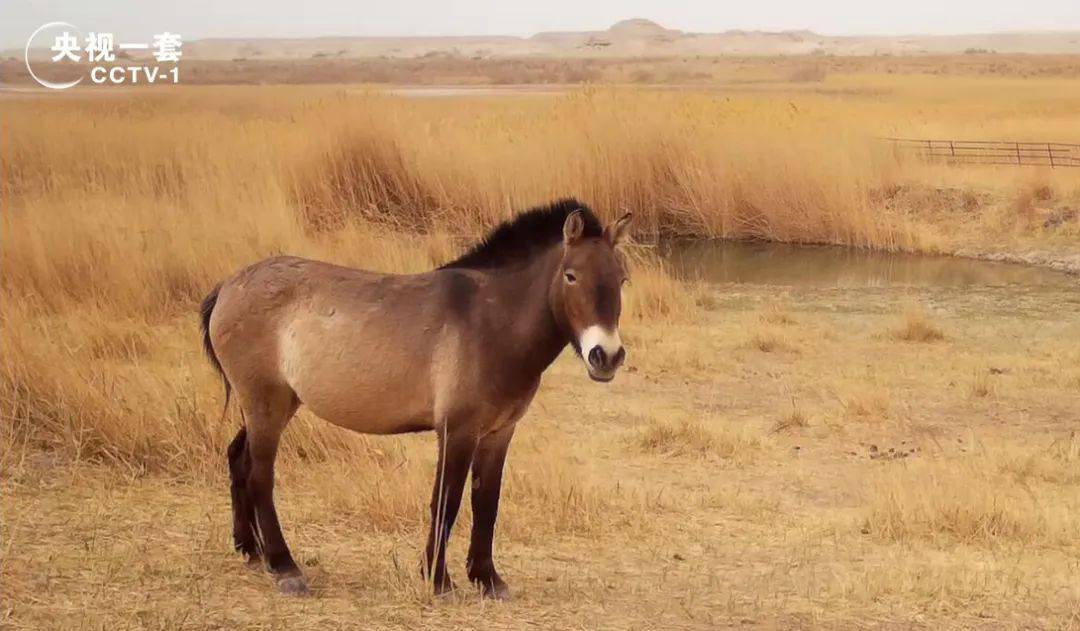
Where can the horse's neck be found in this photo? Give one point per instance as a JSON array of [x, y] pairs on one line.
[[524, 294]]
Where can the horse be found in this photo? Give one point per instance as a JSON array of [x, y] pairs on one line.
[[458, 350]]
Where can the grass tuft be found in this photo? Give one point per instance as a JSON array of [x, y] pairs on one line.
[[916, 326], [982, 384], [769, 340], [796, 418], [865, 403], [693, 438], [653, 295], [776, 313]]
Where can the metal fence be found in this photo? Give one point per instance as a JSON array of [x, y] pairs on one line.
[[1048, 154]]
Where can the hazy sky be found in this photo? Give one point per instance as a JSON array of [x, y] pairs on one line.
[[195, 19]]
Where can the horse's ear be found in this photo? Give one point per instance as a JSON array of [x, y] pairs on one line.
[[617, 232], [573, 228]]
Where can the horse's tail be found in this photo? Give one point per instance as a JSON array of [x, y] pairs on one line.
[[206, 309]]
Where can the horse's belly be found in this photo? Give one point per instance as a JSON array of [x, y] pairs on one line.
[[370, 406], [372, 415], [367, 386]]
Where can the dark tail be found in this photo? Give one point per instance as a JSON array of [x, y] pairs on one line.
[[205, 310]]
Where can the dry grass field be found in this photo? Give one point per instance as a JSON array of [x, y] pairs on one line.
[[729, 72], [769, 456], [736, 71]]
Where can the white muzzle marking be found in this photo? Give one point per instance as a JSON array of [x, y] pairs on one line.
[[595, 336]]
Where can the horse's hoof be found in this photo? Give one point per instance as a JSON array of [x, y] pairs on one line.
[[445, 588], [292, 586], [492, 587], [497, 592]]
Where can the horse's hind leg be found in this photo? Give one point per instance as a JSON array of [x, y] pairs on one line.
[[267, 415], [244, 530]]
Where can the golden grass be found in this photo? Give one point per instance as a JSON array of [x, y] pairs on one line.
[[867, 402], [969, 501], [653, 296], [776, 312], [982, 384], [1055, 463], [162, 163], [916, 326], [620, 504], [769, 340], [795, 418], [729, 71], [691, 437], [120, 213]]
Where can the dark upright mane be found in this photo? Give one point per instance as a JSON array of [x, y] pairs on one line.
[[523, 236]]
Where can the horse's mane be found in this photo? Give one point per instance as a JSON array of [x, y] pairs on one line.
[[523, 236]]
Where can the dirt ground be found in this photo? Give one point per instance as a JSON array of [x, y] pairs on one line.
[[785, 458]]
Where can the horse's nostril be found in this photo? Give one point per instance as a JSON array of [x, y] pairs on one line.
[[597, 357], [619, 357]]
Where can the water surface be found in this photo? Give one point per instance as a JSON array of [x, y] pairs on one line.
[[763, 263]]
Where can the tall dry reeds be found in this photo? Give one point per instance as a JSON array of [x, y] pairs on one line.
[[120, 212]]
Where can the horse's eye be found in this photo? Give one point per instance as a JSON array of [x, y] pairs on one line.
[[571, 278]]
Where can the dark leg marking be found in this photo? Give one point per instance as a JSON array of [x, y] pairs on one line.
[[487, 470], [244, 529], [265, 425]]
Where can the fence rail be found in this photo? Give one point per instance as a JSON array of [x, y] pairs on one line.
[[1050, 154]]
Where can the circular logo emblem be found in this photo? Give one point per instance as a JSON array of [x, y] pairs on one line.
[[62, 67]]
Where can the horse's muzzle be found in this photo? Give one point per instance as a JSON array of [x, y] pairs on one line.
[[602, 365]]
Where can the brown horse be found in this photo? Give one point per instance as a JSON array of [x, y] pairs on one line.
[[459, 350]]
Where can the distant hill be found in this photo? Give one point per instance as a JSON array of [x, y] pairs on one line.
[[631, 38]]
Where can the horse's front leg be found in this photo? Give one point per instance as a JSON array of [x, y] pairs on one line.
[[456, 450], [487, 470]]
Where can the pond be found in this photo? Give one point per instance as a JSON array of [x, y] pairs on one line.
[[764, 263]]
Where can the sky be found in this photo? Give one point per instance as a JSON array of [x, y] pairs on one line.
[[195, 19]]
